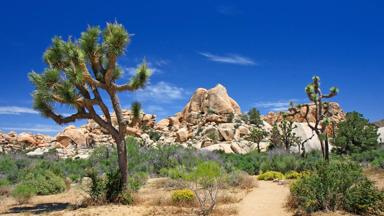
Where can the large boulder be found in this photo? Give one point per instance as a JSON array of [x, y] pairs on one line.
[[219, 147], [182, 135], [303, 131], [72, 136], [212, 101], [26, 139], [381, 134], [227, 130]]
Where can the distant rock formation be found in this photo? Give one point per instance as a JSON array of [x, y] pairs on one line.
[[338, 115]]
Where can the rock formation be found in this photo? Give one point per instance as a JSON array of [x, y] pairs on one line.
[[338, 115]]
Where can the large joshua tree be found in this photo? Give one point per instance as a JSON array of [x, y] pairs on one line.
[[322, 115], [79, 72]]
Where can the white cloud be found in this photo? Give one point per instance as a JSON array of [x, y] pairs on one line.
[[161, 92], [155, 67], [16, 110], [275, 106], [229, 59], [35, 128], [156, 109]]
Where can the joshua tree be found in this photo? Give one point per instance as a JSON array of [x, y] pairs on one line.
[[323, 112], [287, 136], [78, 72], [257, 135], [275, 138]]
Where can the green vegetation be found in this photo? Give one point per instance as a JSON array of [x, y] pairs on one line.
[[271, 175], [257, 135], [254, 117], [322, 117], [77, 71], [355, 134], [23, 193], [183, 196], [336, 185]]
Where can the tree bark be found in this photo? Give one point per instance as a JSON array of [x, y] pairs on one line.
[[122, 159]]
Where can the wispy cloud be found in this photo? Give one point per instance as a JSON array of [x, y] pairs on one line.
[[16, 110], [161, 92], [229, 59], [155, 67], [275, 106], [34, 128]]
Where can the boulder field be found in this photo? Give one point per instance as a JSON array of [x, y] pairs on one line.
[[211, 120]]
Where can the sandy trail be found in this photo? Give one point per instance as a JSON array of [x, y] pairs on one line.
[[267, 199]]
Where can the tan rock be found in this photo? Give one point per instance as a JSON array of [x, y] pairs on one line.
[[72, 135], [162, 124], [219, 147], [27, 139], [182, 135], [227, 131]]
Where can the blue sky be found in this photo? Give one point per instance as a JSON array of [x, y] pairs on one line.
[[264, 52]]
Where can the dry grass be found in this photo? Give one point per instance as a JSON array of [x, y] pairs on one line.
[[376, 175], [247, 182], [225, 210], [228, 198]]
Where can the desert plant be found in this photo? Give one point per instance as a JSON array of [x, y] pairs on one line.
[[292, 175], [335, 185], [323, 112], [183, 196], [254, 117], [206, 180], [23, 193], [44, 182], [238, 178], [257, 135], [275, 138], [271, 175], [67, 80], [355, 134]]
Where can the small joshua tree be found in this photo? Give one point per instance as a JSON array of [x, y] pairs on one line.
[[77, 74], [287, 136], [275, 138], [257, 135], [323, 112]]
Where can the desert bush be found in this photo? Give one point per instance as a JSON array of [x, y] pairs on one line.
[[355, 134], [364, 199], [240, 179], [44, 182], [373, 157], [23, 193], [184, 196], [337, 185], [178, 172], [137, 180], [125, 197], [206, 180], [271, 175], [292, 175]]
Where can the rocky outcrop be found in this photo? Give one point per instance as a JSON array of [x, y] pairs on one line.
[[11, 142], [338, 115]]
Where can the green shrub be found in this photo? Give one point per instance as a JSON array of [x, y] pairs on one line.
[[4, 182], [292, 175], [137, 180], [97, 187], [177, 173], [44, 182], [364, 199], [334, 185], [271, 175], [23, 193], [183, 196], [240, 179], [125, 197]]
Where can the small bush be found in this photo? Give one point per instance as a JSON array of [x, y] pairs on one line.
[[364, 199], [125, 197], [23, 193], [177, 173], [292, 175], [137, 180], [271, 175], [240, 179], [44, 182], [336, 185], [183, 196]]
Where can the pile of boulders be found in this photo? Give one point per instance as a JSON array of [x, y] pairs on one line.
[[12, 142]]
